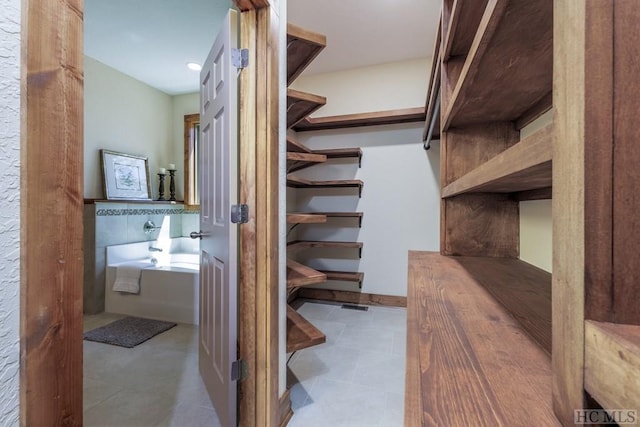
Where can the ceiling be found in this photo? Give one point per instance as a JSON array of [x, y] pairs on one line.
[[152, 40]]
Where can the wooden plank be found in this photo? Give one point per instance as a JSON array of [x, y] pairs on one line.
[[344, 276], [539, 194], [407, 115], [583, 103], [465, 18], [306, 218], [522, 289], [626, 155], [301, 104], [477, 224], [524, 166], [247, 329], [298, 245], [297, 182], [474, 363], [301, 333], [301, 275], [513, 54], [295, 146], [285, 412], [539, 108], [340, 153], [302, 48], [433, 84], [297, 161], [352, 297], [612, 364], [51, 213]]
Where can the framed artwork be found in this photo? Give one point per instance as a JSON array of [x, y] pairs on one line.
[[124, 176]]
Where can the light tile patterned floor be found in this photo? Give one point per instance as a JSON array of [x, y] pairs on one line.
[[357, 377], [153, 384]]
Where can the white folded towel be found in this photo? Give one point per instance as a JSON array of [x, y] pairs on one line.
[[128, 276]]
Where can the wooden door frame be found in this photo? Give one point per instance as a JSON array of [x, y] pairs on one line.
[[51, 203]]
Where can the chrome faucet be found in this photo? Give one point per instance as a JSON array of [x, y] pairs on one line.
[[154, 249]]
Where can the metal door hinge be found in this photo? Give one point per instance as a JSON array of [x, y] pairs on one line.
[[239, 214], [240, 58], [239, 370]]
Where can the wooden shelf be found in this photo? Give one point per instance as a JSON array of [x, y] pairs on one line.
[[321, 217], [464, 19], [299, 245], [306, 218], [467, 346], [524, 291], [302, 48], [432, 104], [297, 161], [300, 333], [301, 275], [509, 68], [407, 115], [342, 153], [344, 276], [296, 147], [296, 182], [612, 364], [524, 166], [301, 104]]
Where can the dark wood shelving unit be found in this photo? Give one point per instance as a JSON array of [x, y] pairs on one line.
[[302, 275], [302, 48], [407, 115], [301, 333], [297, 182], [301, 104], [522, 167]]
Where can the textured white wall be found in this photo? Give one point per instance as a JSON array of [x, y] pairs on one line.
[[123, 114], [9, 211]]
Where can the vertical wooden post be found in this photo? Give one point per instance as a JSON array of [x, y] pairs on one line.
[[51, 213], [259, 325]]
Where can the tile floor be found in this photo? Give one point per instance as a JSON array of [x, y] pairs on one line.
[[357, 377], [153, 384]]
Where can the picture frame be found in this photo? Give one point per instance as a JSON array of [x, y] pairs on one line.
[[125, 176]]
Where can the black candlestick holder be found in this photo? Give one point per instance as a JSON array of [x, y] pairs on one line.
[[161, 187], [172, 185]]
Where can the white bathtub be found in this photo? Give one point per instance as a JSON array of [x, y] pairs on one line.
[[168, 290]]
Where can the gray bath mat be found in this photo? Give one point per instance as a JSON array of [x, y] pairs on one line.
[[128, 332]]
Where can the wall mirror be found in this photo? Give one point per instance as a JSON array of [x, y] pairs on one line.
[[191, 159]]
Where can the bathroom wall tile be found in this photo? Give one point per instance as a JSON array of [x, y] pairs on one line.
[[111, 229], [97, 299], [190, 222], [176, 225]]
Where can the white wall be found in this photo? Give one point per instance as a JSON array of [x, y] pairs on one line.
[[400, 201], [535, 217], [10, 212], [401, 196], [182, 105], [123, 114], [381, 87]]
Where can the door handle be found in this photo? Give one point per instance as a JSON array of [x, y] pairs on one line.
[[197, 234]]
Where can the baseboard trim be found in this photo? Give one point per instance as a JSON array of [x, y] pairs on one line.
[[285, 412], [352, 297]]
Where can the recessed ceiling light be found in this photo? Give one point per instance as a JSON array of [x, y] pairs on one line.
[[194, 66]]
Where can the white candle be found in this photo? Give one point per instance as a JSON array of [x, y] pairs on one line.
[[172, 166], [162, 171]]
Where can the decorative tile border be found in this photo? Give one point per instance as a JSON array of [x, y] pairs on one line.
[[133, 212]]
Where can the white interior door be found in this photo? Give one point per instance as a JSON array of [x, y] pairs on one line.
[[219, 237]]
